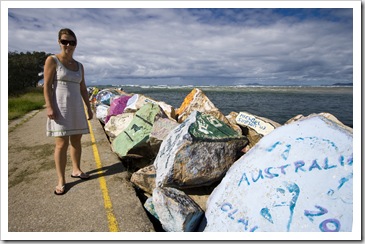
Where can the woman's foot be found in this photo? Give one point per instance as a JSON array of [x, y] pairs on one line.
[[60, 190], [81, 175]]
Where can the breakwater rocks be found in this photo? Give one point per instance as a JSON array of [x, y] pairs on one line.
[[203, 171]]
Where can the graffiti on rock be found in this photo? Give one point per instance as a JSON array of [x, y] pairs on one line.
[[300, 165], [228, 208], [251, 121]]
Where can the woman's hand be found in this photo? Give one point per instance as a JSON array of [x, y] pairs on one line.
[[89, 114], [50, 113]]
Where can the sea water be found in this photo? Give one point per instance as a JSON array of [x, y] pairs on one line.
[[276, 103]]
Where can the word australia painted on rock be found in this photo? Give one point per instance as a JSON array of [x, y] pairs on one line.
[[297, 178]]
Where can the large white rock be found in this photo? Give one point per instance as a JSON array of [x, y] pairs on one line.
[[298, 178]]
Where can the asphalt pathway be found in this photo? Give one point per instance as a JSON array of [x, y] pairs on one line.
[[106, 202]]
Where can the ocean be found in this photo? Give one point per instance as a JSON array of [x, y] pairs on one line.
[[276, 103]]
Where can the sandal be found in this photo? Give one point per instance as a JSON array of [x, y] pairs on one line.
[[81, 176], [60, 192]]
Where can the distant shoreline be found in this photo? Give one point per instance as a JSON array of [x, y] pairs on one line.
[[218, 86], [240, 88]]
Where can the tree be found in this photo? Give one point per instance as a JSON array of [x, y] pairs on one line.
[[25, 70]]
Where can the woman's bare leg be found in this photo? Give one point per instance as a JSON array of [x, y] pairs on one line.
[[75, 152], [60, 158]]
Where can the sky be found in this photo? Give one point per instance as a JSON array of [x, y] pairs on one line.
[[196, 46]]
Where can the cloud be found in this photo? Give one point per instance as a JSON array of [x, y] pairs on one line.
[[272, 46]]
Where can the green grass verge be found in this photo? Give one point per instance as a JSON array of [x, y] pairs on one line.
[[19, 105]]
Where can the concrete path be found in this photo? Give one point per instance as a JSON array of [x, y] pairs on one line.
[[106, 202]]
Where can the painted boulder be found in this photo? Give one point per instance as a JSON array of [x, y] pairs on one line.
[[255, 127], [176, 211], [198, 152], [196, 100], [161, 128], [102, 112], [298, 178], [117, 106], [134, 139], [105, 96], [145, 178], [260, 125], [138, 100], [117, 124]]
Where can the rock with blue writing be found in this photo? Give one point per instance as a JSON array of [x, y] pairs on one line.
[[298, 178], [255, 127], [261, 125], [134, 139], [198, 152], [176, 211]]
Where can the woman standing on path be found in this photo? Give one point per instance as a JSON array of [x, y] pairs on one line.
[[64, 90]]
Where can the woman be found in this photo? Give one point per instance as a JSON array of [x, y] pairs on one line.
[[64, 90]]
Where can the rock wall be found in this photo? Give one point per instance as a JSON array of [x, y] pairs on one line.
[[240, 172]]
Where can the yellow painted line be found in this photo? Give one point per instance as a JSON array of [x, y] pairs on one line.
[[113, 224]]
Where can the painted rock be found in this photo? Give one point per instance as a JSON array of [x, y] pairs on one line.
[[176, 211], [145, 178], [261, 125], [117, 106], [106, 95], [298, 178], [255, 127], [133, 140], [148, 205], [138, 100], [327, 115], [161, 128], [94, 93], [102, 112], [198, 152], [118, 124], [196, 100]]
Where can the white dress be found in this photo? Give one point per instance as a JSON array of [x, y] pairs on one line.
[[67, 103]]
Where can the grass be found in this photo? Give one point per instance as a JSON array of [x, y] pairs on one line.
[[21, 104]]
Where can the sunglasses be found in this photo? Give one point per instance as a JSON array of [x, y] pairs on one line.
[[65, 42]]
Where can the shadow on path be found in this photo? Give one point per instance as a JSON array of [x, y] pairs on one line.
[[97, 173]]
